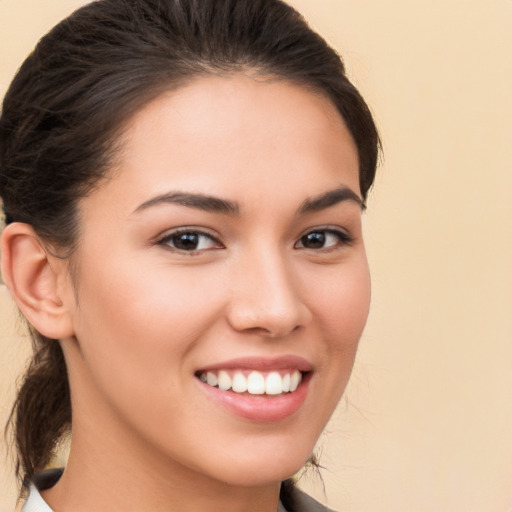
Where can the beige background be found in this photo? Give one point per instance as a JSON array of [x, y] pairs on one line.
[[427, 420]]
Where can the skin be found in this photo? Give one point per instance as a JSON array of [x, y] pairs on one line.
[[143, 316]]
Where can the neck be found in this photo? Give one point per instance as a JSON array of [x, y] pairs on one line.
[[103, 476]]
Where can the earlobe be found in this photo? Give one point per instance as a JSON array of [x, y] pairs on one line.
[[34, 279]]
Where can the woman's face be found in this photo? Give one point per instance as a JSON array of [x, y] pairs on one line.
[[226, 246]]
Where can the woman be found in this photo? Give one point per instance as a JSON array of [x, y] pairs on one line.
[[183, 184]]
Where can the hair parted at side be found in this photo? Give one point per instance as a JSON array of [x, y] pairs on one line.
[[63, 112]]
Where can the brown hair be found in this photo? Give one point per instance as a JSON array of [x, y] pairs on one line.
[[65, 107]]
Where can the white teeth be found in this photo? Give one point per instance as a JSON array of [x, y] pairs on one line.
[[295, 380], [273, 384], [256, 383], [239, 384], [211, 379], [224, 381], [286, 383]]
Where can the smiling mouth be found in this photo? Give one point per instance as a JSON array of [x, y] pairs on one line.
[[253, 382]]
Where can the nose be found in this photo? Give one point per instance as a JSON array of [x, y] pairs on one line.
[[266, 299]]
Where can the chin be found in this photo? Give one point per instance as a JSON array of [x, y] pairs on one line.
[[264, 467]]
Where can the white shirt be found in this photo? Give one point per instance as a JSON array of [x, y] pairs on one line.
[[35, 502]]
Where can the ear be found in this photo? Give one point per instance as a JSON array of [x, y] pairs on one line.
[[37, 281]]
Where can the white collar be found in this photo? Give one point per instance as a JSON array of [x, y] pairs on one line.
[[35, 502]]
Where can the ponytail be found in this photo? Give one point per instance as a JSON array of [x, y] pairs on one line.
[[41, 413]]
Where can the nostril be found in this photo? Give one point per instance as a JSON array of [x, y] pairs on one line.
[[271, 332]]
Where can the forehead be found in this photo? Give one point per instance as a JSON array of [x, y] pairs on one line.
[[233, 136]]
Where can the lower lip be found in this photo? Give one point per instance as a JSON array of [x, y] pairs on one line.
[[261, 408]]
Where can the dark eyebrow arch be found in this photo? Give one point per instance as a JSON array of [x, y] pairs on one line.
[[328, 199], [199, 201]]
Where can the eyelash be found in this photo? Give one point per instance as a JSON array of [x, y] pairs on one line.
[[344, 239], [165, 240]]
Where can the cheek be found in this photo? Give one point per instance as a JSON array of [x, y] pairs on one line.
[[342, 303], [136, 320], [342, 307], [128, 295], [136, 332]]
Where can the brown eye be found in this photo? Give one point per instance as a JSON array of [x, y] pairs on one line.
[[323, 239], [186, 241], [189, 241], [314, 240]]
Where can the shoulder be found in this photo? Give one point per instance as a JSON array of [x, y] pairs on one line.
[[298, 501], [306, 503]]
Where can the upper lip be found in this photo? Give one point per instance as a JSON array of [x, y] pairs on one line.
[[262, 364]]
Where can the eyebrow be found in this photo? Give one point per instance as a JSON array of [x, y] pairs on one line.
[[223, 206], [328, 199], [199, 201]]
